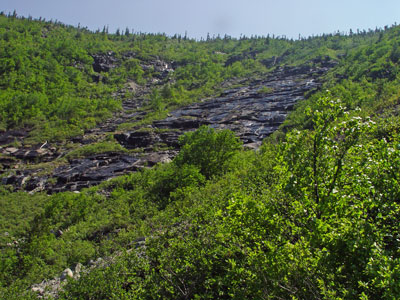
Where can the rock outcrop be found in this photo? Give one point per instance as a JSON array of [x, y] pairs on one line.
[[104, 62], [92, 170], [253, 111]]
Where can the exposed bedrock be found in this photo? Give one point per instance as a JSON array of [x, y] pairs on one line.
[[253, 111]]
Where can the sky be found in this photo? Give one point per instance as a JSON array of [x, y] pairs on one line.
[[289, 18]]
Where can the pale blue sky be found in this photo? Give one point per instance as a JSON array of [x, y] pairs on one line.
[[233, 17]]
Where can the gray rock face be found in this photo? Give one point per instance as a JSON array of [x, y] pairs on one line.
[[85, 172], [107, 61], [253, 111], [104, 62]]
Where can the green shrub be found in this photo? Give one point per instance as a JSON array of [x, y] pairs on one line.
[[208, 150]]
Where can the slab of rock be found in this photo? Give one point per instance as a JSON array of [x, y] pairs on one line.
[[89, 171], [252, 112]]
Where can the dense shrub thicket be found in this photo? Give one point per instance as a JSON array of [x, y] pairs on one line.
[[313, 214]]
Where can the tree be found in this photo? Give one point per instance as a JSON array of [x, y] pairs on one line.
[[208, 149], [315, 159]]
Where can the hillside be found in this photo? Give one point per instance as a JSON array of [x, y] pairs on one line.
[[159, 167]]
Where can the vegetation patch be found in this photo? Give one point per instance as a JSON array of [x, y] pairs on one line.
[[97, 148]]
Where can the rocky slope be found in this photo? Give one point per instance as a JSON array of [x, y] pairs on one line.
[[253, 111]]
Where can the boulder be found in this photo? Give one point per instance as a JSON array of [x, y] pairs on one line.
[[67, 273], [77, 270]]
